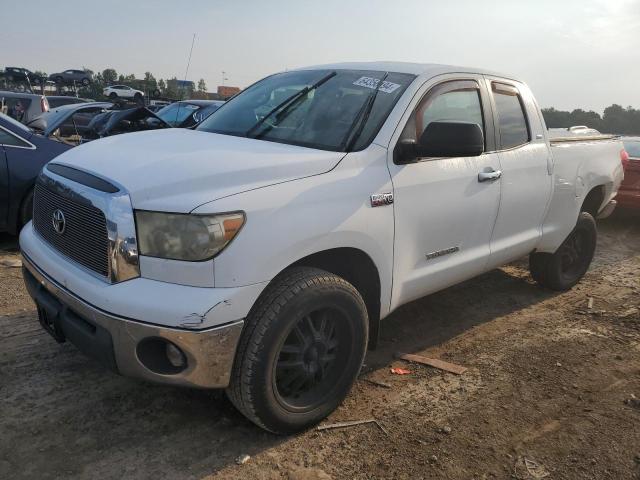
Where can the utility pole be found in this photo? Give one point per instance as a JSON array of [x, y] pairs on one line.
[[224, 77]]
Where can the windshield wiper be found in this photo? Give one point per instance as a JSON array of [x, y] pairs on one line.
[[288, 102], [361, 118]]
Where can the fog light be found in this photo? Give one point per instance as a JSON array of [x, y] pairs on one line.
[[161, 356], [175, 356]]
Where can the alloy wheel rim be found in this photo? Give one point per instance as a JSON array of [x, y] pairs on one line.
[[310, 362]]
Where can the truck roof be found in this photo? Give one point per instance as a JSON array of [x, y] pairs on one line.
[[427, 69]]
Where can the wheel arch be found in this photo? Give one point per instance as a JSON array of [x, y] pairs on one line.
[[593, 201], [356, 267]]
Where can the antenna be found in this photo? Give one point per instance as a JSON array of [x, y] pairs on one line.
[[193, 40]]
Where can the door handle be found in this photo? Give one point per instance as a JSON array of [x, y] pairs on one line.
[[489, 176]]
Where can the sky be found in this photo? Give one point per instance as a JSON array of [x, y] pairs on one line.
[[572, 53]]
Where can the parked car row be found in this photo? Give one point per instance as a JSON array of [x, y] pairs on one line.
[[66, 77], [65, 123]]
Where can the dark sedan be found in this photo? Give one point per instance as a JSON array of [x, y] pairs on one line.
[[23, 153], [69, 77]]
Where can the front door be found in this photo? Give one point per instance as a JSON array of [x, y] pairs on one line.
[[444, 213]]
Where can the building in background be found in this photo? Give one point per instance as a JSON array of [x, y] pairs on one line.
[[225, 91]]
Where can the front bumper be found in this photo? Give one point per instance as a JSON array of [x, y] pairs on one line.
[[116, 341]]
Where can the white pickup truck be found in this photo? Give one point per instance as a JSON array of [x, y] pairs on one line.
[[259, 252]]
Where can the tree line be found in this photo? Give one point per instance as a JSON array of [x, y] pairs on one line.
[[615, 119], [165, 88], [168, 88]]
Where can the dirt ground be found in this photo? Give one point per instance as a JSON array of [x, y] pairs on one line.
[[550, 392]]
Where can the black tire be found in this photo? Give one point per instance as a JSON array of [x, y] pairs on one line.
[[85, 81], [563, 269], [26, 209], [113, 95], [300, 304], [59, 80]]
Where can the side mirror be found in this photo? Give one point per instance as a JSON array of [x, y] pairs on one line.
[[443, 139]]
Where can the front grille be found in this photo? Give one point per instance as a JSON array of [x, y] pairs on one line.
[[84, 239]]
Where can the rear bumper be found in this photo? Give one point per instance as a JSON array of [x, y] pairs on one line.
[[119, 343], [608, 209]]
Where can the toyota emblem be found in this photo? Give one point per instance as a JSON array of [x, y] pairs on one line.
[[59, 223]]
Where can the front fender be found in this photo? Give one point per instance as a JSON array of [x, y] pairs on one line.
[[292, 220]]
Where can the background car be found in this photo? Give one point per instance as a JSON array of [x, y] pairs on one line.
[[19, 74], [23, 107], [56, 101], [22, 156], [123, 91], [188, 113], [68, 77], [69, 122], [629, 192]]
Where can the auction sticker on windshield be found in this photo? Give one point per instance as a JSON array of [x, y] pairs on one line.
[[370, 82]]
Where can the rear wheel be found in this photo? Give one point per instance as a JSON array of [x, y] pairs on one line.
[[564, 268], [302, 349], [113, 95], [85, 81]]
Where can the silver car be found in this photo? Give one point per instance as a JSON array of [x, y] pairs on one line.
[[23, 107]]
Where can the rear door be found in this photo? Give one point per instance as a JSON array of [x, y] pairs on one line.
[[443, 214], [526, 179]]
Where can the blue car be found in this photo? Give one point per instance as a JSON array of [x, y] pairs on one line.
[[23, 153]]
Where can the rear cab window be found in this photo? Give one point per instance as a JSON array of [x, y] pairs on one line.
[[513, 126]]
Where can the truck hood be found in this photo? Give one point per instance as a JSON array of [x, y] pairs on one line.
[[177, 169]]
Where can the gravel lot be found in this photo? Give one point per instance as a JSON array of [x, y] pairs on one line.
[[549, 392]]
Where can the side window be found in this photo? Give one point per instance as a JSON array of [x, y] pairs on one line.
[[455, 101], [17, 107], [11, 140], [458, 106], [512, 121]]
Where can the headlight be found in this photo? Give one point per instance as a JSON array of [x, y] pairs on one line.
[[188, 237]]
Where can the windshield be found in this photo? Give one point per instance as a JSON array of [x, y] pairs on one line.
[[323, 118], [632, 148], [176, 113]]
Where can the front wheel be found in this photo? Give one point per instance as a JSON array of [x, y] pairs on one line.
[[302, 349], [564, 268]]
